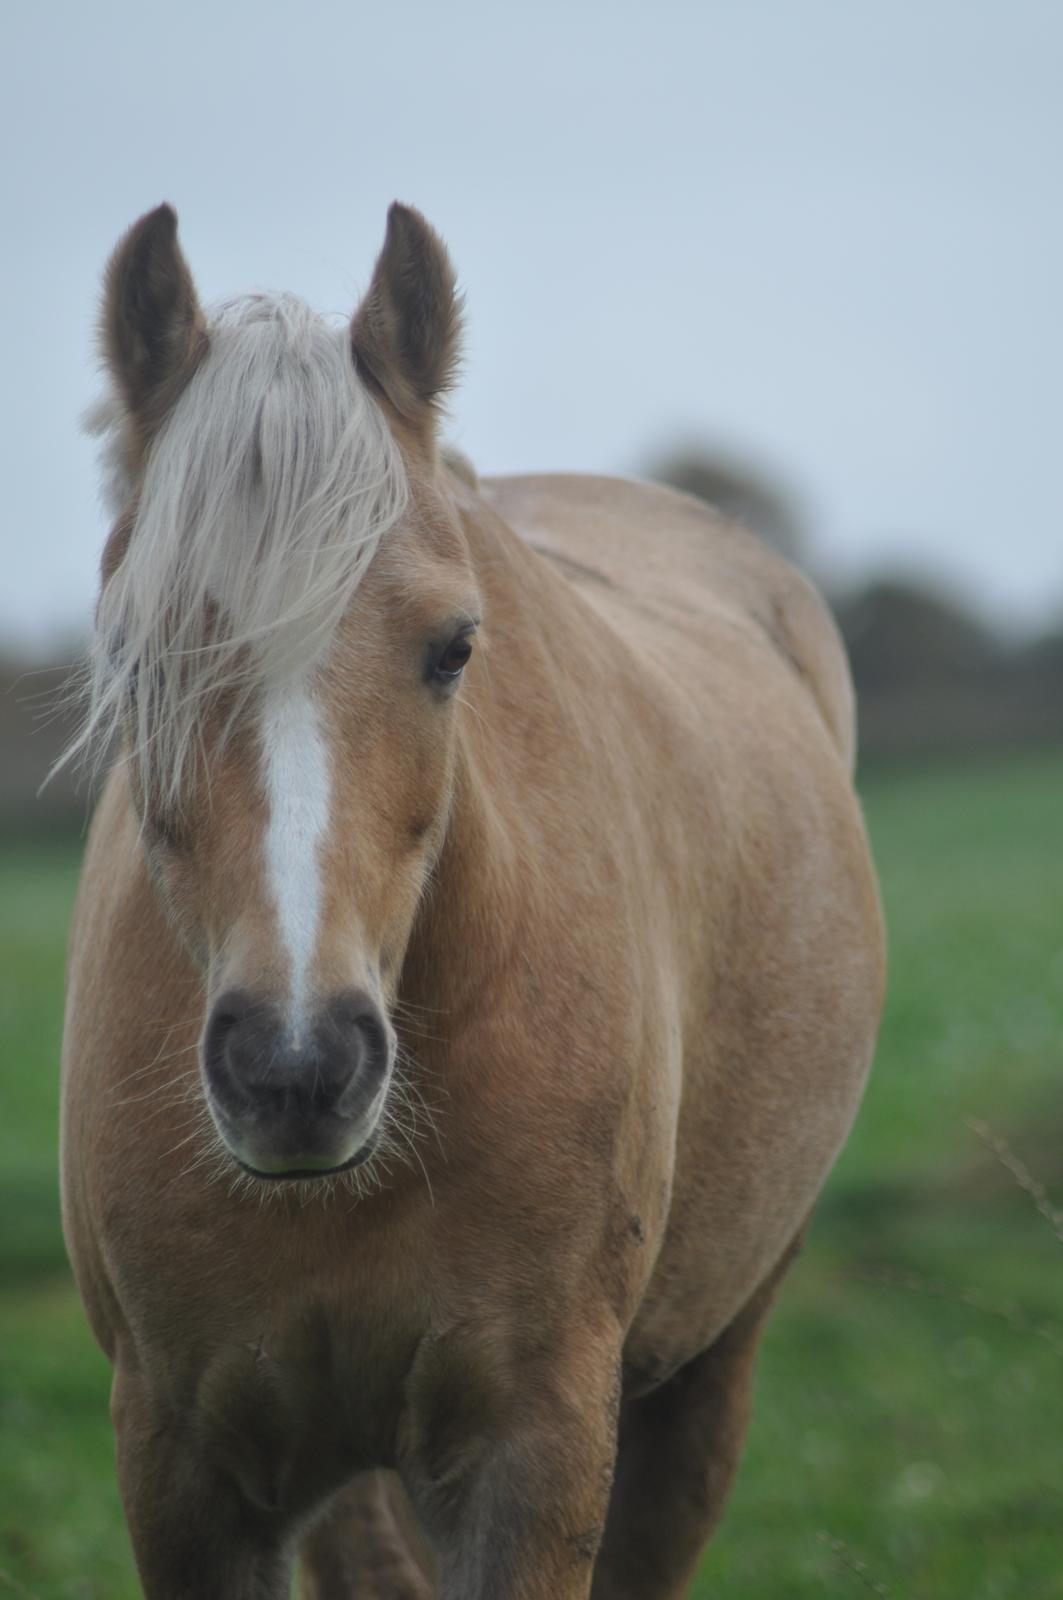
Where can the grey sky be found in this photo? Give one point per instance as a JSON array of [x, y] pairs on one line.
[[826, 235]]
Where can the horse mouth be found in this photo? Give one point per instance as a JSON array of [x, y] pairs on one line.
[[302, 1174], [282, 1151]]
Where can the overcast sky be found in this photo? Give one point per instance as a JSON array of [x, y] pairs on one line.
[[824, 235]]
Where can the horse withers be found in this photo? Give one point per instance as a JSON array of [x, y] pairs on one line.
[[475, 972]]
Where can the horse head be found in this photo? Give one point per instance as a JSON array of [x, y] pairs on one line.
[[288, 607]]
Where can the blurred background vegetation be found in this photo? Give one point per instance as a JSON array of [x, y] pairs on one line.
[[909, 1402]]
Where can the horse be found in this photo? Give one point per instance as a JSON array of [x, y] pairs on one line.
[[474, 975]]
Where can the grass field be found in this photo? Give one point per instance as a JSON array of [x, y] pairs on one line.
[[908, 1433]]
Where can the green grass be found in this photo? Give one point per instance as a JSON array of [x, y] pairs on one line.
[[909, 1409]]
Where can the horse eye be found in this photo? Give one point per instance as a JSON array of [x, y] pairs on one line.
[[451, 663]]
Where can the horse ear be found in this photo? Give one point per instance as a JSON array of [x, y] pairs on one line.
[[152, 331], [406, 334]]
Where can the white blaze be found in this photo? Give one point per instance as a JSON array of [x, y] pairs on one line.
[[296, 764]]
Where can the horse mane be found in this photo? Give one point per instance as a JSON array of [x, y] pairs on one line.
[[264, 498]]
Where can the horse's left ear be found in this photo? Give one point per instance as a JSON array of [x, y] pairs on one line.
[[406, 334]]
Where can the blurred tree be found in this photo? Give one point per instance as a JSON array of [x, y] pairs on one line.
[[739, 490], [1043, 657], [37, 719], [900, 633], [933, 679]]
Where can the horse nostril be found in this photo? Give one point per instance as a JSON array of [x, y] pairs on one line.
[[355, 1017], [234, 1042], [222, 1021]]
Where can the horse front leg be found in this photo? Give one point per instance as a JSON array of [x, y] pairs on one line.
[[364, 1548], [679, 1450], [511, 1481], [195, 1534]]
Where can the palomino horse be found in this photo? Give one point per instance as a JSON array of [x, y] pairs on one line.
[[475, 972]]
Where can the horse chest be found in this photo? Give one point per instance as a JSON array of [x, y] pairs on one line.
[[294, 1409]]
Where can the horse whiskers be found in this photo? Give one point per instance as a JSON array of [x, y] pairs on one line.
[[184, 1087], [159, 1058], [157, 1099], [407, 1058], [197, 1126], [420, 1120], [420, 1033], [411, 1151], [214, 1158], [414, 1008]]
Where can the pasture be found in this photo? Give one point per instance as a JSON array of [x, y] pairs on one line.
[[909, 1408]]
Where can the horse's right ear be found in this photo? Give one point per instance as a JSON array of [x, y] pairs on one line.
[[152, 331], [406, 333]]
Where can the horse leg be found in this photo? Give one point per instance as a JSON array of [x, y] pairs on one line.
[[364, 1548], [512, 1484], [193, 1530], [679, 1449]]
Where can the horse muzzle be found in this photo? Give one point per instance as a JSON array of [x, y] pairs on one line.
[[297, 1103]]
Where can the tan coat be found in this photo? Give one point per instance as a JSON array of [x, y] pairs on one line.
[[639, 998]]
